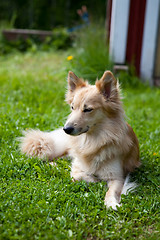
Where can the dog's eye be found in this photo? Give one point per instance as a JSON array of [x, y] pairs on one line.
[[88, 110], [72, 107]]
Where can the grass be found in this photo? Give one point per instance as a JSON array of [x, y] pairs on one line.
[[39, 201]]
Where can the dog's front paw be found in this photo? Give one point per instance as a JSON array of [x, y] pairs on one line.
[[37, 143], [78, 175], [111, 202]]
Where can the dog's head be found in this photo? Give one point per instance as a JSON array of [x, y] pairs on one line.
[[91, 104]]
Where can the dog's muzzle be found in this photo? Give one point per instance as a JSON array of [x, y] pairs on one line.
[[69, 129]]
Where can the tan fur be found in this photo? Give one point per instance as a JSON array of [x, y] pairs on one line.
[[102, 145]]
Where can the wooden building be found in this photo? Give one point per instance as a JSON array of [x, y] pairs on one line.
[[134, 36]]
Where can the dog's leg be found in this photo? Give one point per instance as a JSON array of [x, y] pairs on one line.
[[113, 195], [45, 145], [79, 173]]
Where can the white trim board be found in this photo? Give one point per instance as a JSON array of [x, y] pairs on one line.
[[119, 30], [149, 39]]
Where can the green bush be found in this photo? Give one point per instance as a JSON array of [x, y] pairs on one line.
[[60, 39]]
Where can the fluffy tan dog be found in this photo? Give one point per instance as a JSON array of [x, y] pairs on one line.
[[101, 144]]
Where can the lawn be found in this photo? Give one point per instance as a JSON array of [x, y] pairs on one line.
[[39, 201]]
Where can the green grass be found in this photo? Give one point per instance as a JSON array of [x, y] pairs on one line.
[[39, 201]]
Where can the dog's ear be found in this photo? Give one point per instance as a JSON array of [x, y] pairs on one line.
[[74, 82], [107, 84]]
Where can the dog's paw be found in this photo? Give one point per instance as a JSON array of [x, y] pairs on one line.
[[78, 175], [37, 143], [86, 178], [111, 202]]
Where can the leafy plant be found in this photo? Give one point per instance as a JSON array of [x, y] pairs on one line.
[[60, 39], [91, 56]]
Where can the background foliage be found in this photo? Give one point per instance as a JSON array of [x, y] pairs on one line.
[[46, 14], [60, 39]]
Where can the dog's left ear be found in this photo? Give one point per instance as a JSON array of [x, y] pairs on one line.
[[106, 84], [74, 82]]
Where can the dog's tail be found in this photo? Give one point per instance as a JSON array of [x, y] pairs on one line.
[[45, 145], [128, 186]]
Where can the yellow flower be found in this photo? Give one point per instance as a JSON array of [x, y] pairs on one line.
[[154, 154], [69, 58]]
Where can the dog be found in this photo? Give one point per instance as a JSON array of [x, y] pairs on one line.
[[96, 136]]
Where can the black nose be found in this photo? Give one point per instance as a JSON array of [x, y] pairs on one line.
[[68, 129]]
